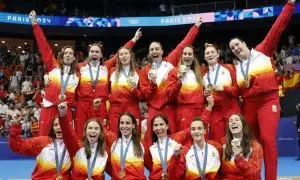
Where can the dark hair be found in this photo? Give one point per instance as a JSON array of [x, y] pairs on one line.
[[236, 37], [195, 66], [137, 148], [101, 140], [101, 50], [197, 118], [60, 60], [165, 119], [245, 144], [51, 132], [119, 66]]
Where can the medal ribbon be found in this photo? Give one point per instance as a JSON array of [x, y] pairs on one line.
[[64, 84], [123, 155], [156, 65], [202, 173], [94, 82], [163, 160], [216, 75], [57, 161], [91, 168], [245, 74]]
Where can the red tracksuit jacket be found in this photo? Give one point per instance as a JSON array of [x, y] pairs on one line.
[[43, 149]]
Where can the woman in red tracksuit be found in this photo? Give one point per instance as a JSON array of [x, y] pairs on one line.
[[93, 86], [62, 76], [220, 81], [243, 155], [186, 87], [157, 72], [125, 92], [198, 160], [257, 83], [90, 155], [49, 165], [128, 152], [163, 147]]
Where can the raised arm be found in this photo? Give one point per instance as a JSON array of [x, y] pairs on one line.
[[130, 44], [269, 44], [28, 147], [251, 168], [47, 54], [69, 136], [174, 56]]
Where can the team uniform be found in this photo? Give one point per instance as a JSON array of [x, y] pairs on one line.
[[42, 148], [225, 102], [157, 101], [124, 99], [185, 165], [133, 165], [261, 106], [241, 168], [53, 90], [156, 167], [189, 96], [87, 92], [77, 152]]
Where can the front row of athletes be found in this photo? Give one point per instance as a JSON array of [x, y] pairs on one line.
[[124, 155]]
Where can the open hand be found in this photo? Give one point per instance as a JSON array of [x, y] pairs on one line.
[[32, 17]]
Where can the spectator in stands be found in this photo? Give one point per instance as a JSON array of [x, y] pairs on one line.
[[289, 59], [298, 129], [291, 41], [26, 85], [14, 83], [163, 9], [3, 92]]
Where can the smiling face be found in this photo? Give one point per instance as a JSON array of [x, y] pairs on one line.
[[211, 55], [95, 53], [155, 51], [160, 128], [57, 129], [197, 131], [239, 48], [68, 56], [188, 56], [126, 126], [124, 56], [92, 131], [235, 125]]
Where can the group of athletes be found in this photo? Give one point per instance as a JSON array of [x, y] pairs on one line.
[[196, 128]]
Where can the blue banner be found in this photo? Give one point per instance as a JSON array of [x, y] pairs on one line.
[[220, 16], [287, 137]]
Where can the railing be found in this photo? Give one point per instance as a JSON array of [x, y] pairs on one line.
[[204, 7]]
